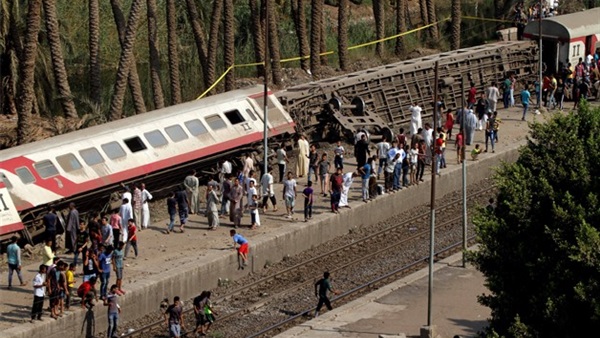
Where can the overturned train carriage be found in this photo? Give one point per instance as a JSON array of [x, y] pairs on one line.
[[378, 99]]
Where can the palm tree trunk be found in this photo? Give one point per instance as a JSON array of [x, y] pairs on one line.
[[274, 42], [315, 36], [58, 62], [157, 90], [323, 42], [94, 45], [343, 34], [213, 42], [300, 23], [433, 30], [173, 52], [199, 36], [455, 42], [229, 43], [423, 12], [257, 36], [379, 15], [125, 61], [133, 79], [400, 26], [26, 80]]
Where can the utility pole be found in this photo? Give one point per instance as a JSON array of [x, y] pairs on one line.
[[541, 64], [432, 217], [464, 172], [266, 93]]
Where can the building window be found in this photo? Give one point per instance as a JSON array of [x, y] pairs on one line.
[[215, 122], [25, 175], [68, 162], [91, 156], [176, 133], [45, 169], [234, 116], [195, 127], [113, 150], [156, 138], [135, 144]]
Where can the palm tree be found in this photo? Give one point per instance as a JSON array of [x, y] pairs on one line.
[[213, 42], [379, 15], [133, 79], [58, 62], [400, 26], [455, 41], [173, 52], [343, 34], [10, 45], [199, 35], [229, 43], [315, 36], [433, 30], [157, 90], [125, 61], [274, 41], [423, 12], [26, 80], [257, 35], [299, 17], [94, 45]]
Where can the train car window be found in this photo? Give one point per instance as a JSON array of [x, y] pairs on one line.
[[251, 113], [156, 138], [68, 162], [45, 169], [7, 183], [113, 150], [176, 133], [25, 175], [195, 127], [215, 122], [91, 156], [135, 144], [234, 116]]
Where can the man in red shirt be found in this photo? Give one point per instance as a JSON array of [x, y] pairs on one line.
[[336, 190], [472, 96], [87, 292], [439, 152]]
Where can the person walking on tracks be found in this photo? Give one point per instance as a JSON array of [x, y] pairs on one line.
[[321, 288], [174, 318]]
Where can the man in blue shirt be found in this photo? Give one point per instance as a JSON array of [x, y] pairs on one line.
[[105, 260], [365, 172], [525, 95], [13, 253], [242, 249], [50, 220]]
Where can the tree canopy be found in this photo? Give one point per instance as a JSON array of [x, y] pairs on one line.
[[540, 246]]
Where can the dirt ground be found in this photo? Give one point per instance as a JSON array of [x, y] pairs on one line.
[[160, 252]]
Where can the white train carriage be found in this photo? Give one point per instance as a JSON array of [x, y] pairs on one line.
[[82, 162]]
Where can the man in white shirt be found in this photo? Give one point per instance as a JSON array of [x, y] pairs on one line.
[[191, 184], [266, 183], [492, 94], [146, 196], [382, 149], [39, 289], [289, 194]]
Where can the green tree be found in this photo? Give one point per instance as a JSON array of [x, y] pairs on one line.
[[540, 246]]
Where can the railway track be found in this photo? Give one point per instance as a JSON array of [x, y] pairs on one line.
[[283, 298]]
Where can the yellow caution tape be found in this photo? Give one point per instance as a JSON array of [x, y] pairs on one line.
[[216, 82]]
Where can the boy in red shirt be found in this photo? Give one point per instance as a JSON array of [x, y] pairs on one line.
[[132, 238]]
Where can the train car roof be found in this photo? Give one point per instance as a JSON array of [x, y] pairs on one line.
[[568, 26], [128, 122]]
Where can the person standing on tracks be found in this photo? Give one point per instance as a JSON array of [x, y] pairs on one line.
[[336, 181], [13, 255], [415, 119], [382, 149], [146, 197], [212, 202], [236, 195], [289, 194], [50, 220], [137, 205], [492, 94], [182, 207], [361, 151], [339, 152], [191, 184], [303, 156], [72, 225], [266, 184], [470, 125], [322, 286]]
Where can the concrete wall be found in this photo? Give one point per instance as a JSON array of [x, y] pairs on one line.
[[188, 280]]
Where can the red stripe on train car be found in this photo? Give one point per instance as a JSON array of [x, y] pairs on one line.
[[62, 186], [9, 228]]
